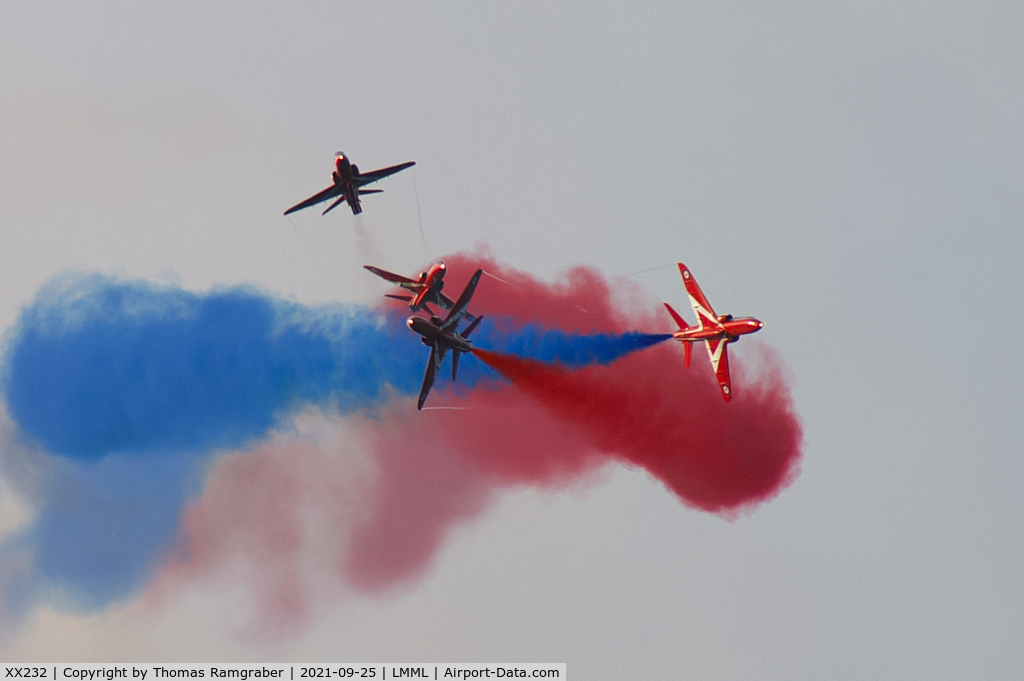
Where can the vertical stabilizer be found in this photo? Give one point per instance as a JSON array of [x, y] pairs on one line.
[[683, 326], [680, 322]]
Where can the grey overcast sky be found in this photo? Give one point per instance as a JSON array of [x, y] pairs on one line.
[[849, 172]]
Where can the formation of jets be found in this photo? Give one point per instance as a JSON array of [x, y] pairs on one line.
[[442, 334]]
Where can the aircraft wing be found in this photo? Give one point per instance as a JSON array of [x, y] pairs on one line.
[[701, 307], [459, 307], [374, 175], [433, 364], [718, 350], [390, 276], [328, 193]]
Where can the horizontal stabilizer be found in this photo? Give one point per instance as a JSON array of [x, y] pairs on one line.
[[405, 298], [469, 329], [370, 191], [341, 200]]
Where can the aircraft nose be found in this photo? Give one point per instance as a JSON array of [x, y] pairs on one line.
[[409, 321]]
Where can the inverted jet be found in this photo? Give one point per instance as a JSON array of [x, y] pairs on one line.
[[348, 185], [442, 335], [716, 331], [426, 289]]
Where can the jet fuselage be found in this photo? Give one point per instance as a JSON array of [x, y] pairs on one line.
[[730, 329], [432, 333], [432, 281], [344, 173]]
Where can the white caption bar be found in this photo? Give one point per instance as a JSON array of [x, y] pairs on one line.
[[280, 672]]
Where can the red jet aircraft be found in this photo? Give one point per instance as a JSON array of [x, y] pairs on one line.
[[426, 289], [348, 183], [443, 335], [717, 331]]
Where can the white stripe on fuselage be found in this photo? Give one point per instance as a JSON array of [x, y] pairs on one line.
[[716, 354], [704, 314]]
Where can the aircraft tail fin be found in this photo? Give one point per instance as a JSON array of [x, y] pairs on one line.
[[683, 326], [455, 364]]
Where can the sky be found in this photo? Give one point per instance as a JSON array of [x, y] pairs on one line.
[[848, 173]]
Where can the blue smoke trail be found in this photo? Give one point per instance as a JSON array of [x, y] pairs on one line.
[[100, 527], [572, 350], [100, 366], [128, 388]]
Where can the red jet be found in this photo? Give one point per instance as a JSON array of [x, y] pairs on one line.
[[426, 289], [717, 331], [348, 183], [442, 335]]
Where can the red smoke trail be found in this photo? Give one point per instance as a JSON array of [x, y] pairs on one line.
[[582, 302], [553, 425], [644, 410], [260, 523], [440, 467], [384, 524], [421, 491]]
